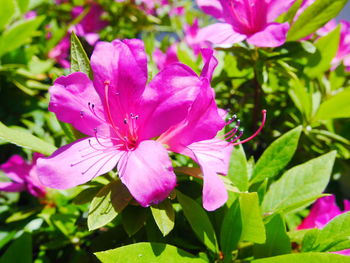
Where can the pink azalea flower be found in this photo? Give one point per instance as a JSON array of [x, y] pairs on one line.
[[90, 24], [60, 52], [251, 20], [30, 15], [323, 211], [193, 39], [121, 115], [23, 175], [162, 60]]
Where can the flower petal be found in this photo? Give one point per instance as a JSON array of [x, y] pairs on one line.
[[167, 99], [148, 173], [211, 7], [69, 100], [210, 63], [273, 35], [220, 35], [16, 168], [278, 7], [77, 163], [12, 187]]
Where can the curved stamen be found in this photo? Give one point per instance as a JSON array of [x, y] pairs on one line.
[[257, 131], [91, 107]]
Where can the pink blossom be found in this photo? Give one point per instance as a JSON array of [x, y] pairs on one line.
[[195, 137], [121, 115], [60, 52], [251, 20], [192, 38], [322, 212], [23, 175], [30, 14], [164, 59]]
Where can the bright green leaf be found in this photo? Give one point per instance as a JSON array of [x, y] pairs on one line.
[[300, 185], [199, 221], [19, 34], [314, 17], [276, 156], [25, 140], [277, 240], [23, 5], [164, 216], [133, 219], [19, 251], [79, 60], [7, 11], [107, 204], [337, 106], [253, 228], [238, 169], [309, 240], [327, 48], [306, 258], [147, 252]]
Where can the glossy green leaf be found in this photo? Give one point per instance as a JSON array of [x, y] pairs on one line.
[[231, 230], [276, 156], [133, 219], [199, 221], [327, 48], [107, 204], [19, 251], [300, 185], [253, 228], [238, 169], [19, 34], [337, 106], [7, 11], [79, 60], [23, 5], [306, 258], [25, 140], [164, 215], [147, 252], [309, 240], [314, 17], [335, 235], [277, 240]]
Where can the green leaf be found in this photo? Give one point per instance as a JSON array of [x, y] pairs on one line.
[[231, 230], [164, 216], [277, 240], [335, 235], [86, 195], [79, 60], [309, 240], [289, 16], [277, 156], [19, 251], [238, 169], [314, 17], [23, 5], [337, 106], [19, 34], [327, 48], [253, 228], [300, 185], [199, 221], [7, 11], [133, 219], [25, 140], [306, 258], [107, 204], [147, 252]]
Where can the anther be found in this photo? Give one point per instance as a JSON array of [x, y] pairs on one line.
[[125, 121]]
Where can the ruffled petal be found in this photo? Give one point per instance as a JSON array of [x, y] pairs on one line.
[[148, 173], [167, 99], [273, 35], [77, 163], [213, 157], [16, 168], [74, 100], [210, 63], [220, 35], [277, 8], [211, 7], [12, 187], [120, 76]]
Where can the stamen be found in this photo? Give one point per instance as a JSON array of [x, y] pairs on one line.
[[257, 131], [91, 107]]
